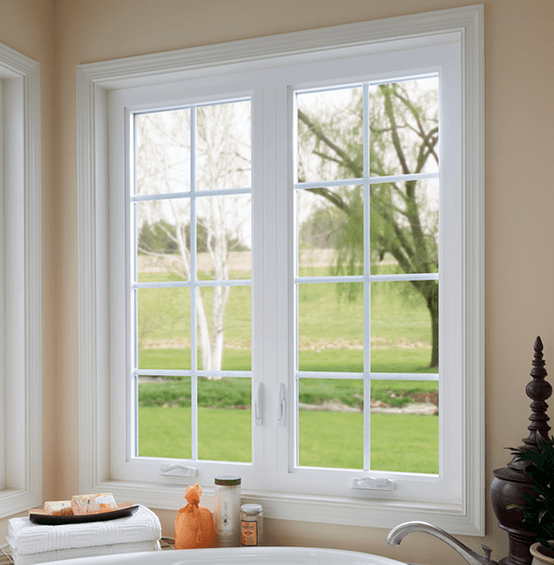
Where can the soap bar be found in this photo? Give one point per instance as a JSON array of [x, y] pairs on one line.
[[58, 508], [93, 503]]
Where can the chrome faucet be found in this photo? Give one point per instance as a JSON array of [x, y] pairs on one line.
[[396, 535]]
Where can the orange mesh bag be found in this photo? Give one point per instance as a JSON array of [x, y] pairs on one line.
[[194, 525]]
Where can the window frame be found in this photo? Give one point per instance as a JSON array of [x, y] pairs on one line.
[[119, 271], [99, 83], [20, 284], [449, 126]]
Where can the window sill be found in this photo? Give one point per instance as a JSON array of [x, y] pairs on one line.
[[13, 501], [305, 508]]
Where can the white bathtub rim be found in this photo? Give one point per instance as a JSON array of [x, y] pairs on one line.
[[271, 555]]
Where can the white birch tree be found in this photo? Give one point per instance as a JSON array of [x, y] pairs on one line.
[[221, 161]]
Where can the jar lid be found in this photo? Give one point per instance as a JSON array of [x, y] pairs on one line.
[[227, 480], [251, 508]]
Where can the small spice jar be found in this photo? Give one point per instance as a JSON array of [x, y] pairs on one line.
[[251, 524], [227, 510]]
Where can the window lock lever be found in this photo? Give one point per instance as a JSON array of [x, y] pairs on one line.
[[259, 404], [282, 409], [178, 470], [372, 483]]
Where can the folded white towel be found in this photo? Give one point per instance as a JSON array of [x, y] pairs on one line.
[[26, 538], [48, 556]]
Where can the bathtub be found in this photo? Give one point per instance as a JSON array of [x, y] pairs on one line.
[[237, 556]]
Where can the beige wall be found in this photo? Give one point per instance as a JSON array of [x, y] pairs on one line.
[[519, 200]]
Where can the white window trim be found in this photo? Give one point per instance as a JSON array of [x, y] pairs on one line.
[[20, 266], [273, 359], [96, 80]]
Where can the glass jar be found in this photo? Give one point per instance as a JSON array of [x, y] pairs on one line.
[[251, 524], [227, 510]]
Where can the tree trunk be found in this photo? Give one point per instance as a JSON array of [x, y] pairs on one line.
[[433, 306], [216, 243], [220, 296], [203, 331]]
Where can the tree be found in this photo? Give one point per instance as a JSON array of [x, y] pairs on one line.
[[163, 166], [403, 217], [157, 238]]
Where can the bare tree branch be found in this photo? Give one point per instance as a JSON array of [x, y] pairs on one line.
[[318, 132]]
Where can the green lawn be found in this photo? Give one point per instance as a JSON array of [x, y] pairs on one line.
[[350, 360], [399, 442], [164, 313], [330, 327], [331, 338]]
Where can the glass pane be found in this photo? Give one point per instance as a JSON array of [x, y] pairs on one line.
[[224, 237], [164, 417], [330, 134], [331, 327], [330, 231], [404, 426], [224, 316], [163, 240], [404, 127], [405, 227], [162, 152], [163, 329], [223, 146], [225, 419], [330, 423], [401, 327]]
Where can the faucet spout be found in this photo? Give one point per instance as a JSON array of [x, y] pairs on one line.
[[397, 534]]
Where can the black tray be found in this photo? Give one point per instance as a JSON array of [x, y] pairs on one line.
[[48, 520]]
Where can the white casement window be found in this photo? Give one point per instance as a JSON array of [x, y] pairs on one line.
[[282, 224], [20, 284]]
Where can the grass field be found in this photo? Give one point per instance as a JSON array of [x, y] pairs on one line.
[[331, 335], [400, 442], [331, 359], [330, 327]]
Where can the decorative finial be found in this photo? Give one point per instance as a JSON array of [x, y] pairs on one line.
[[538, 390]]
